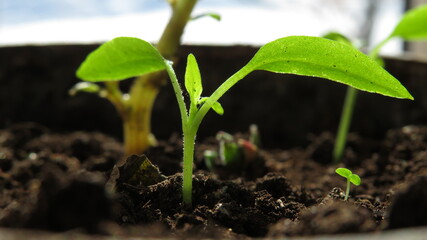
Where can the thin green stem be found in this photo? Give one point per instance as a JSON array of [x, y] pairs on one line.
[[376, 50], [178, 94], [344, 125], [348, 109], [347, 191], [187, 173]]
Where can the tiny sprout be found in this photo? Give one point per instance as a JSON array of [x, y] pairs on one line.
[[229, 151], [351, 178], [209, 156], [254, 136]]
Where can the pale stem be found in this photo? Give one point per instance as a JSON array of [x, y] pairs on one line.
[[347, 191]]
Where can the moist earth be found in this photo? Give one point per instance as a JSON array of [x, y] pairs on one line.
[[69, 181]]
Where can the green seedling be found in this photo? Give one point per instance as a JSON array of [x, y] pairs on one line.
[[125, 57], [412, 27], [229, 151], [135, 107], [209, 156], [254, 136], [233, 153], [351, 178]]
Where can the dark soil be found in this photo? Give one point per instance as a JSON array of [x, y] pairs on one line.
[[62, 182]]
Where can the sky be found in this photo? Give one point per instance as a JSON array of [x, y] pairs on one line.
[[252, 22]]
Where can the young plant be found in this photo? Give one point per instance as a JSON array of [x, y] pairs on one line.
[[135, 107], [301, 55], [351, 178], [411, 27], [234, 154]]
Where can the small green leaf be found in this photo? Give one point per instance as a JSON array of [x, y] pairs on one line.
[[193, 81], [120, 58], [355, 179], [413, 25], [84, 87], [319, 57], [215, 16], [344, 172], [216, 106]]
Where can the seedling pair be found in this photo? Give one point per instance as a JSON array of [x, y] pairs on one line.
[[412, 27], [351, 178], [301, 55]]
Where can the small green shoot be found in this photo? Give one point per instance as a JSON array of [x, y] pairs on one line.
[[254, 136], [351, 178], [412, 27], [234, 154], [229, 151], [301, 55], [209, 157]]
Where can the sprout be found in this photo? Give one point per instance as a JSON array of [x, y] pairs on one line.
[[351, 178]]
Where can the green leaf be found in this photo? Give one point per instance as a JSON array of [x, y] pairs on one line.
[[84, 87], [355, 179], [215, 16], [121, 58], [216, 106], [413, 25], [193, 81], [324, 58], [344, 172]]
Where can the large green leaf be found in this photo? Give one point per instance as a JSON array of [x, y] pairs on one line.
[[120, 58], [413, 25], [324, 58], [193, 81]]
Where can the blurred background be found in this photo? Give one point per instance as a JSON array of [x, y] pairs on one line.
[[245, 22]]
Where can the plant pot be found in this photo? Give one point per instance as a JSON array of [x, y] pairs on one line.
[[287, 109]]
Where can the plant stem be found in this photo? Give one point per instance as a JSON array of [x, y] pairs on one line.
[[137, 121], [189, 130], [376, 50], [187, 176], [171, 37], [137, 118], [344, 125], [348, 109], [347, 191]]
